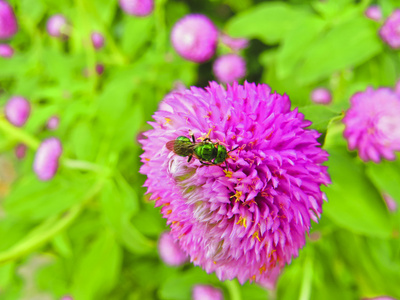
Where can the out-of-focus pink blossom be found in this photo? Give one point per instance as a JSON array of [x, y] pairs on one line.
[[6, 51], [229, 68], [53, 123], [170, 251], [139, 8], [390, 32], [17, 110], [374, 12], [390, 202], [57, 26], [97, 40], [20, 151], [47, 155], [321, 96], [8, 22], [206, 292], [235, 44]]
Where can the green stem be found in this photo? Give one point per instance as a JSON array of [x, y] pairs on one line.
[[233, 289], [47, 230], [84, 166], [16, 133], [305, 289]]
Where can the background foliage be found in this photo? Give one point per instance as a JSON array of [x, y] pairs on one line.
[[91, 232]]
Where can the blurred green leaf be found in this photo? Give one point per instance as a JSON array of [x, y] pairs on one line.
[[320, 115], [137, 32]]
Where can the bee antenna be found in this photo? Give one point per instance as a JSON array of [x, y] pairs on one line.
[[233, 149]]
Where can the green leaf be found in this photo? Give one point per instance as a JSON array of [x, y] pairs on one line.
[[97, 271], [137, 32], [84, 141], [269, 22], [353, 202], [346, 45], [320, 115]]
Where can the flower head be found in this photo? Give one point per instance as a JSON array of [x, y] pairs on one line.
[[47, 155], [206, 292], [139, 8], [6, 51], [235, 44], [17, 110], [195, 38], [373, 124], [247, 217], [8, 22], [57, 26], [170, 251], [390, 31], [374, 12], [321, 96], [230, 67], [97, 40]]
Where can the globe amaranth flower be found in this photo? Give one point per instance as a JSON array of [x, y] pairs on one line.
[[321, 96], [58, 26], [46, 160], [17, 110], [195, 38], [374, 12], [247, 217], [97, 40], [8, 22], [139, 8], [235, 44], [6, 51], [206, 292], [390, 32], [372, 124], [229, 68], [170, 251]]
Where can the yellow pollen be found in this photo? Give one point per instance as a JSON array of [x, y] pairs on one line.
[[169, 212], [272, 252], [255, 235], [206, 136], [237, 195], [214, 262], [252, 278], [242, 221], [228, 173], [262, 269], [167, 121], [147, 159]]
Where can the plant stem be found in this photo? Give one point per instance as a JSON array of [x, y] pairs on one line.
[[84, 166], [233, 289], [16, 133]]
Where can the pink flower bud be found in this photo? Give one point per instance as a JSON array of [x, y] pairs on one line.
[[17, 110], [47, 155], [374, 12], [99, 69], [57, 26], [170, 251], [235, 44], [6, 51], [139, 8], [53, 122], [97, 40], [195, 38], [206, 292], [20, 151], [8, 22], [390, 32], [229, 68], [390, 202], [321, 96]]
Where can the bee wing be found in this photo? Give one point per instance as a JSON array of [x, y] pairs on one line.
[[170, 145]]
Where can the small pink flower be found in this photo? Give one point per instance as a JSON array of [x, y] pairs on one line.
[[20, 151], [57, 26], [390, 202], [139, 8], [46, 160], [170, 251], [374, 12], [235, 44], [8, 22], [97, 40], [390, 31], [321, 96], [17, 110], [229, 68], [373, 124], [206, 292], [99, 69], [195, 38], [6, 51], [53, 123]]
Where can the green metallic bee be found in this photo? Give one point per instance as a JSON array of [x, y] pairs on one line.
[[207, 152]]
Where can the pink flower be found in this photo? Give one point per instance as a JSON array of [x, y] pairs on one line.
[[195, 38], [53, 123], [397, 88], [321, 96], [374, 12], [246, 217], [390, 202], [206, 292], [139, 8], [390, 31], [17, 110], [373, 124], [57, 26], [170, 251], [8, 22], [47, 155], [6, 51], [97, 40], [235, 44], [20, 151], [229, 68]]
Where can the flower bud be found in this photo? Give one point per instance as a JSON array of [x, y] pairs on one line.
[[97, 40], [139, 8], [20, 151], [374, 12], [46, 160], [229, 68], [8, 22], [17, 110], [170, 251], [6, 51], [321, 96], [390, 202], [57, 26], [53, 122], [195, 38], [206, 292]]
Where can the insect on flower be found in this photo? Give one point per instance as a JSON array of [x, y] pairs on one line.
[[207, 152]]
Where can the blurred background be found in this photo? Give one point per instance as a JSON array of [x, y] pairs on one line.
[[83, 78]]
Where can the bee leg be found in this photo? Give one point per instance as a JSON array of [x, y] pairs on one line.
[[190, 158], [234, 149], [193, 139], [203, 163]]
